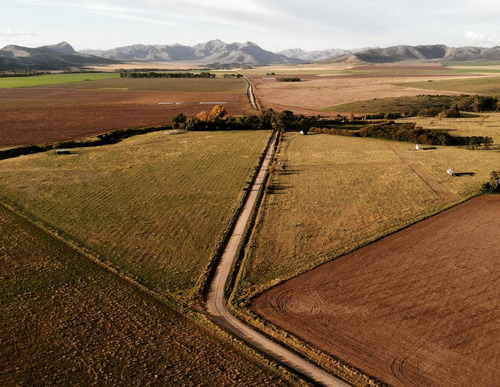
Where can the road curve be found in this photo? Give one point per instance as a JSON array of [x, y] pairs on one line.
[[216, 303]]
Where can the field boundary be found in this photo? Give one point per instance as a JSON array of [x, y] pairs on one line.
[[107, 138]]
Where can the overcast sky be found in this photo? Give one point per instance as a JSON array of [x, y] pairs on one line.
[[273, 24]]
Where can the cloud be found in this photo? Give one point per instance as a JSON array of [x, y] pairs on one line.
[[475, 37], [19, 33]]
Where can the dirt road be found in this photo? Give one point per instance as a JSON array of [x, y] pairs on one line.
[[216, 303]]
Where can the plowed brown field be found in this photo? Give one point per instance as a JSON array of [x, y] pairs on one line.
[[45, 115], [419, 307]]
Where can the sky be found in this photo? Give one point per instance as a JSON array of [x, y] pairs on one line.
[[273, 24]]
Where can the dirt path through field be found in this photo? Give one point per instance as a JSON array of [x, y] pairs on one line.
[[433, 183], [216, 302]]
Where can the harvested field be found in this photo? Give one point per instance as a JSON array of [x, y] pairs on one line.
[[309, 97], [67, 321], [419, 307], [153, 206], [66, 112]]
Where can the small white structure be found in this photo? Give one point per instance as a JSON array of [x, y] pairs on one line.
[[302, 132], [417, 147], [450, 172]]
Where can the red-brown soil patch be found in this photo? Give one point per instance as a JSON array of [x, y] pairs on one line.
[[419, 307], [45, 115], [67, 321]]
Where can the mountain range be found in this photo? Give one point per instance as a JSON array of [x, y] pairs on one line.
[[62, 55], [56, 57], [213, 51]]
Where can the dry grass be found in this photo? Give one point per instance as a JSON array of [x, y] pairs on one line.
[[308, 97], [154, 206], [489, 85], [477, 124], [66, 321], [339, 193], [416, 308]]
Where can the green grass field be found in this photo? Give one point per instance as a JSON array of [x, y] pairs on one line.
[[394, 104], [338, 193], [53, 79], [153, 206], [179, 85], [483, 85], [66, 321]]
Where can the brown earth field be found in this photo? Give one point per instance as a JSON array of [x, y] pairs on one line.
[[419, 307], [46, 115], [67, 321], [358, 84]]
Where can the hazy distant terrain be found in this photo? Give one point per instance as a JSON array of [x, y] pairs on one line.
[[63, 56], [55, 57]]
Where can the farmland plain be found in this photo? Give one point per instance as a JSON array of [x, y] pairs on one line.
[[74, 110], [339, 193], [67, 321], [321, 87], [153, 206], [419, 307]]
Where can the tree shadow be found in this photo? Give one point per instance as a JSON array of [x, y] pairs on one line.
[[277, 188], [286, 172]]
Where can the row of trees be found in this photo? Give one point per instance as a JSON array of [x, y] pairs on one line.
[[217, 119], [154, 74], [408, 132]]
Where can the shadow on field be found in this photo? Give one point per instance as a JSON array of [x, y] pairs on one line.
[[458, 174], [287, 172], [277, 188]]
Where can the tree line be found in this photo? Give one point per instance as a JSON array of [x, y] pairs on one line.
[[154, 74]]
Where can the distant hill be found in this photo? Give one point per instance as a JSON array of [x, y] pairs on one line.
[[317, 56], [56, 57], [213, 51], [428, 53]]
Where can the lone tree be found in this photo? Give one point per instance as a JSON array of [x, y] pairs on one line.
[[179, 121]]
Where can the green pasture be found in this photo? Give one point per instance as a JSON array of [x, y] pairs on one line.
[[53, 79]]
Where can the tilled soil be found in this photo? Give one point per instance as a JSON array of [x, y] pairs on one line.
[[45, 115], [419, 307]]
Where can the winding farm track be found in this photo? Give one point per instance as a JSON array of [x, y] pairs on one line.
[[216, 302], [250, 94]]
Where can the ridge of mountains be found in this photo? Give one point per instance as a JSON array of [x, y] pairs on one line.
[[62, 55], [55, 57]]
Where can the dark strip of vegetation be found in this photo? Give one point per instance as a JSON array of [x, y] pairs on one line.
[[288, 79], [22, 73], [493, 186], [154, 74], [407, 132], [102, 139]]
